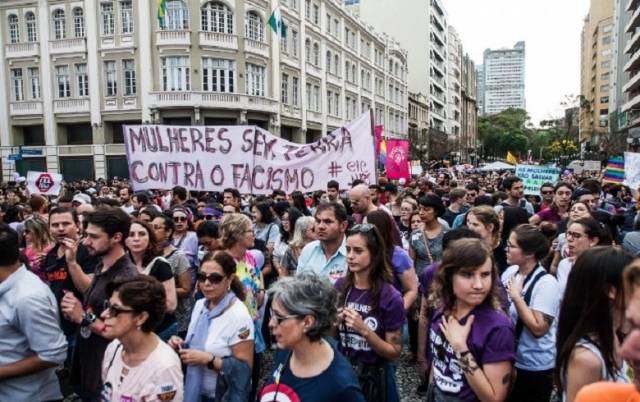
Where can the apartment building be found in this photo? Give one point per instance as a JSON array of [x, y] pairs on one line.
[[596, 71], [627, 23], [503, 81], [468, 110], [76, 71], [454, 89]]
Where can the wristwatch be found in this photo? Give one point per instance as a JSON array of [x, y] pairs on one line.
[[85, 325], [210, 364]]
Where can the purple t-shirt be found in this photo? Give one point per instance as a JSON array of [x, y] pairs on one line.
[[491, 340], [401, 262], [549, 215], [387, 317]]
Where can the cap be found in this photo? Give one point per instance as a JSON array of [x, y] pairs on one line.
[[82, 198]]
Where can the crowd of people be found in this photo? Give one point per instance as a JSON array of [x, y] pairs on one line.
[[168, 295]]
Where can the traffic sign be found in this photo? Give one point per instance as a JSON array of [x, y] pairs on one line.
[[31, 151], [15, 157]]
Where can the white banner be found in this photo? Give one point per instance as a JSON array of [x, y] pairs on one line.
[[534, 177], [212, 158], [632, 170], [592, 166], [44, 183]]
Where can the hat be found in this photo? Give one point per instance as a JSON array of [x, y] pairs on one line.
[[212, 211], [631, 243], [82, 198]]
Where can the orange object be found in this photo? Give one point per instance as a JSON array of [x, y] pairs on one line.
[[608, 392]]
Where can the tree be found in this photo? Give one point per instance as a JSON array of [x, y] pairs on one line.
[[504, 131]]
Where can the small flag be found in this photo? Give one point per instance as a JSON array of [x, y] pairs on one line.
[[511, 158], [615, 170], [276, 23], [162, 12], [383, 151]]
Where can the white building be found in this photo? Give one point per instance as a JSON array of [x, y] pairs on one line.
[[454, 91], [76, 71], [503, 79]]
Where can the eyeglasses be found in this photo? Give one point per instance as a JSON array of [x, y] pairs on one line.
[[212, 278], [279, 318], [361, 228], [158, 227], [574, 235], [179, 218], [547, 192], [115, 311], [208, 217]]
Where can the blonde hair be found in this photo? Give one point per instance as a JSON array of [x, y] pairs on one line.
[[632, 276], [232, 228], [487, 216], [40, 232], [302, 224]]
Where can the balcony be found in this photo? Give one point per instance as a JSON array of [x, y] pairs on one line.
[[291, 111], [213, 100], [218, 40], [312, 115], [71, 105], [334, 79], [351, 86], [634, 21], [633, 43], [72, 45], [334, 121], [27, 49], [632, 84], [632, 5], [25, 108], [634, 101], [173, 38], [253, 46], [633, 63], [311, 69]]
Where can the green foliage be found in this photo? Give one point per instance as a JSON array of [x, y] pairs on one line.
[[504, 131]]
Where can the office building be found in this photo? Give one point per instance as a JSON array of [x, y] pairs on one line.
[[503, 79]]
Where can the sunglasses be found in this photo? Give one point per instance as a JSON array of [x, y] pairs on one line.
[[361, 228], [212, 278], [547, 192], [179, 218], [280, 318], [115, 311]]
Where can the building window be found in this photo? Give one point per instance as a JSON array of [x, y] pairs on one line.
[[307, 50], [126, 17], [34, 82], [17, 85], [283, 45], [176, 73], [106, 10], [329, 23], [604, 76], [218, 75], [177, 17], [294, 43], [328, 61], [284, 89], [111, 78], [82, 79], [129, 70], [330, 103], [316, 14], [604, 99], [308, 92], [78, 22], [217, 17], [14, 29], [254, 29], [307, 9], [294, 91], [336, 64], [62, 78], [316, 98], [316, 54], [255, 80], [32, 27], [59, 26]]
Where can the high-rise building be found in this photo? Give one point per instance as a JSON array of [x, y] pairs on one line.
[[595, 77], [454, 89], [74, 72], [469, 110], [480, 88], [625, 93], [503, 79]]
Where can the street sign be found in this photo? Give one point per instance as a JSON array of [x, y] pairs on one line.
[[31, 151], [15, 157]]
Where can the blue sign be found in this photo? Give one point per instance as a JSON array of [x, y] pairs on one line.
[[15, 157], [31, 151]]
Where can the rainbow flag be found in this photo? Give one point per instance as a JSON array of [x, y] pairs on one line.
[[383, 151], [615, 170]]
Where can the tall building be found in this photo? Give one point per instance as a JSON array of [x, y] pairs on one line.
[[503, 79], [469, 110], [595, 77], [74, 72], [480, 88], [418, 126], [625, 94], [454, 89], [421, 28]]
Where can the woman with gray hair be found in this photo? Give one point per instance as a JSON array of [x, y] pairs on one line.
[[304, 233], [310, 369]]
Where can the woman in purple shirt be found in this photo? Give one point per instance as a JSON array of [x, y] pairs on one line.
[[471, 340], [371, 314], [559, 209]]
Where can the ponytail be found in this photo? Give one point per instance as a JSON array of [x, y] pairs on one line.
[[237, 288], [228, 264]]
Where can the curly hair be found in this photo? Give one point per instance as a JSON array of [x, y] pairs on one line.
[[232, 228]]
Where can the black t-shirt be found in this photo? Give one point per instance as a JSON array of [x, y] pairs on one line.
[[450, 216], [161, 270], [60, 281]]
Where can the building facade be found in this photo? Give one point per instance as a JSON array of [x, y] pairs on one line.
[[503, 80], [418, 126], [627, 69], [76, 71], [596, 72], [480, 88], [469, 111], [454, 89]]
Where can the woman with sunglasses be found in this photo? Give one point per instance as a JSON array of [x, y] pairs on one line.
[[146, 255], [579, 209], [471, 340], [371, 313], [38, 242], [163, 228], [308, 369], [137, 365], [220, 327], [183, 238], [559, 208]]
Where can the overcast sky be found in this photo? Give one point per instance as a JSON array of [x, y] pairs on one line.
[[551, 31]]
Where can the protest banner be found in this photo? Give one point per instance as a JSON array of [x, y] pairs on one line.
[[632, 170], [534, 176], [248, 158], [416, 167], [44, 183], [592, 166], [397, 165]]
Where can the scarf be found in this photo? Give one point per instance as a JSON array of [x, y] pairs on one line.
[[197, 340]]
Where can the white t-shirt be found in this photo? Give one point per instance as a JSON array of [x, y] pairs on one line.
[[233, 326], [564, 269], [536, 354], [158, 378]]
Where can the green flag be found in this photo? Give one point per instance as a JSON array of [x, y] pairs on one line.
[[276, 23], [162, 12]]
